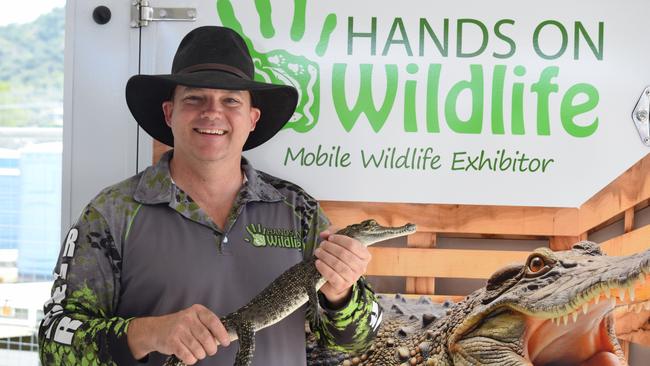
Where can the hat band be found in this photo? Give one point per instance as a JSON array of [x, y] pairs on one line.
[[212, 66]]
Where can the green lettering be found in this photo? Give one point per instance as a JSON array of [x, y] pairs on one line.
[[372, 35], [454, 161], [397, 23], [503, 37], [290, 155], [498, 81], [410, 117], [543, 88], [569, 110], [563, 33], [364, 103], [517, 104], [442, 48], [580, 30], [459, 37], [433, 86], [475, 85]]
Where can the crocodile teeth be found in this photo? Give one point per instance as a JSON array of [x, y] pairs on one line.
[[642, 279], [574, 315], [621, 293], [597, 299], [637, 308], [608, 294], [631, 293], [646, 305], [565, 319], [585, 308], [624, 308]]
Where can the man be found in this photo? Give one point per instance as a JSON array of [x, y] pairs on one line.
[[154, 260]]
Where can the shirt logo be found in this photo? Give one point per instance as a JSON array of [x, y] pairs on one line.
[[261, 236]]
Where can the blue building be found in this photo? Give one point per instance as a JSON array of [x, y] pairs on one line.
[[39, 236], [9, 198]]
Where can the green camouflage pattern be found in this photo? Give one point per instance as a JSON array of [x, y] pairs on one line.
[[348, 329]]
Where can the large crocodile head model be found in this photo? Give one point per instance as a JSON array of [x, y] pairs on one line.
[[556, 309]]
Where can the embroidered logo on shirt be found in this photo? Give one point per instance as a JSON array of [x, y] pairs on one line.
[[261, 236]]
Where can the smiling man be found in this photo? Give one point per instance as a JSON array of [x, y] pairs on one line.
[[154, 261]]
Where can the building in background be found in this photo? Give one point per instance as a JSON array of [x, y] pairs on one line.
[[10, 198], [39, 233], [30, 220]]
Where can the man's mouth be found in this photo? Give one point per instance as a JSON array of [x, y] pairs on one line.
[[206, 131]]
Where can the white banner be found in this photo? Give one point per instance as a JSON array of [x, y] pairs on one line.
[[465, 102]]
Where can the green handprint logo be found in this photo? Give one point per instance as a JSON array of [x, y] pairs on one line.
[[257, 235], [282, 67]]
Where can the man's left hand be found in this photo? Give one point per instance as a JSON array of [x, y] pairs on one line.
[[341, 260]]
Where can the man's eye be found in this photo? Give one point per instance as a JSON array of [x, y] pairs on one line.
[[232, 101], [192, 99]]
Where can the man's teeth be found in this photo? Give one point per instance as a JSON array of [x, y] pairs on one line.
[[211, 132]]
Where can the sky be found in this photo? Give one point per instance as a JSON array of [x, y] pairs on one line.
[[25, 11]]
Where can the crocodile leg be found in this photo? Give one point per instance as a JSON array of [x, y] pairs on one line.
[[246, 334]]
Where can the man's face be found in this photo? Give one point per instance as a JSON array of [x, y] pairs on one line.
[[210, 124]]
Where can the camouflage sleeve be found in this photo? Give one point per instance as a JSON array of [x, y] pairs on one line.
[[352, 327], [79, 327]]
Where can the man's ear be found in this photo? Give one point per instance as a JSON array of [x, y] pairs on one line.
[[168, 108], [255, 116]]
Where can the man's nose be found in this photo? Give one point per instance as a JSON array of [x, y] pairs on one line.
[[212, 109]]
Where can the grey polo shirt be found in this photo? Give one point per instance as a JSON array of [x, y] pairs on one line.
[[143, 247]]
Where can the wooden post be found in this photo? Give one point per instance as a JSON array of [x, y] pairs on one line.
[[628, 222], [558, 243], [421, 285]]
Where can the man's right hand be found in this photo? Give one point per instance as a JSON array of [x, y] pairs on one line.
[[191, 334]]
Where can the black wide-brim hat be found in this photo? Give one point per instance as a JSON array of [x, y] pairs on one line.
[[216, 58]]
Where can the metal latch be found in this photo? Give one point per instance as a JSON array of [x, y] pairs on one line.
[[142, 14], [641, 116]]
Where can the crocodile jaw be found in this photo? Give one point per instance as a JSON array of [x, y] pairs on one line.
[[588, 341], [582, 338]]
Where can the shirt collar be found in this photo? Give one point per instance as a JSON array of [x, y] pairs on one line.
[[156, 184]]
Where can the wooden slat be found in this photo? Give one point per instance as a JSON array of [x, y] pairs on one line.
[[453, 263], [505, 220], [629, 189], [633, 242], [421, 285]]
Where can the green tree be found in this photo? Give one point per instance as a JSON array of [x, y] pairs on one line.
[[31, 71]]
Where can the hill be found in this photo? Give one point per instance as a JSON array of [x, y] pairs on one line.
[[31, 71]]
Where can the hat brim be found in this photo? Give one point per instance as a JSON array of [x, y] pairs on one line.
[[146, 93]]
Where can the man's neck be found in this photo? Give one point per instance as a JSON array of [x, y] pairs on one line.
[[212, 185]]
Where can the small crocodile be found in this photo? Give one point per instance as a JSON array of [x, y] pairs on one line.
[[292, 289], [556, 309]]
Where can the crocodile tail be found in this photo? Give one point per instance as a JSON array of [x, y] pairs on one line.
[[246, 334]]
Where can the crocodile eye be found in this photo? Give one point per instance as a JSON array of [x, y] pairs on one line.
[[536, 264]]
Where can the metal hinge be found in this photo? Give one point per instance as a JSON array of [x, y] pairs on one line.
[[142, 14], [641, 116]]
